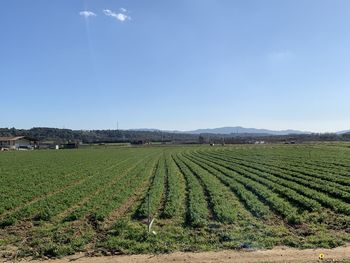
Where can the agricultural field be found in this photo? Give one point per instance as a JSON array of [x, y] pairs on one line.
[[98, 201]]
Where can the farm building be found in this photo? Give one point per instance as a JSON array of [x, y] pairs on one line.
[[17, 143]]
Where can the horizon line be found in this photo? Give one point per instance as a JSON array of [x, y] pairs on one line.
[[176, 130]]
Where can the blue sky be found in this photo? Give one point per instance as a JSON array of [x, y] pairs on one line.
[[180, 64]]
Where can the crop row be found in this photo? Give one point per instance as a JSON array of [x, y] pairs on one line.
[[264, 193], [333, 189], [295, 183], [197, 209], [24, 188], [305, 156], [287, 189], [251, 202], [155, 193], [175, 197], [221, 200], [123, 189], [297, 167], [48, 207]]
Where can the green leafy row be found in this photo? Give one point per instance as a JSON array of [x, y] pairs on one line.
[[197, 209]]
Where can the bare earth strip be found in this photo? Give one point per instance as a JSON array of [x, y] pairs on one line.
[[278, 254], [112, 218]]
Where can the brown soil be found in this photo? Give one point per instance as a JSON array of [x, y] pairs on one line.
[[279, 254], [124, 208]]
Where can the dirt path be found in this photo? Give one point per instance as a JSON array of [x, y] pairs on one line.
[[279, 254]]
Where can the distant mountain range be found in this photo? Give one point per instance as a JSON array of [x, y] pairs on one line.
[[242, 130], [343, 132], [236, 130], [232, 130]]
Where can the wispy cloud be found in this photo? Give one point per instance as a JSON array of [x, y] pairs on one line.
[[119, 16], [87, 13]]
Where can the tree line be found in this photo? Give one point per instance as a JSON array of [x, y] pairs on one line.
[[56, 135]]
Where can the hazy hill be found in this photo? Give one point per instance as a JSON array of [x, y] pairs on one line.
[[232, 130], [242, 130], [343, 132]]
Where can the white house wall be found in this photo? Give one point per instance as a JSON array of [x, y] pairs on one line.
[[22, 142]]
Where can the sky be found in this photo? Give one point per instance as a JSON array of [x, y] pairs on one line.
[[175, 64]]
